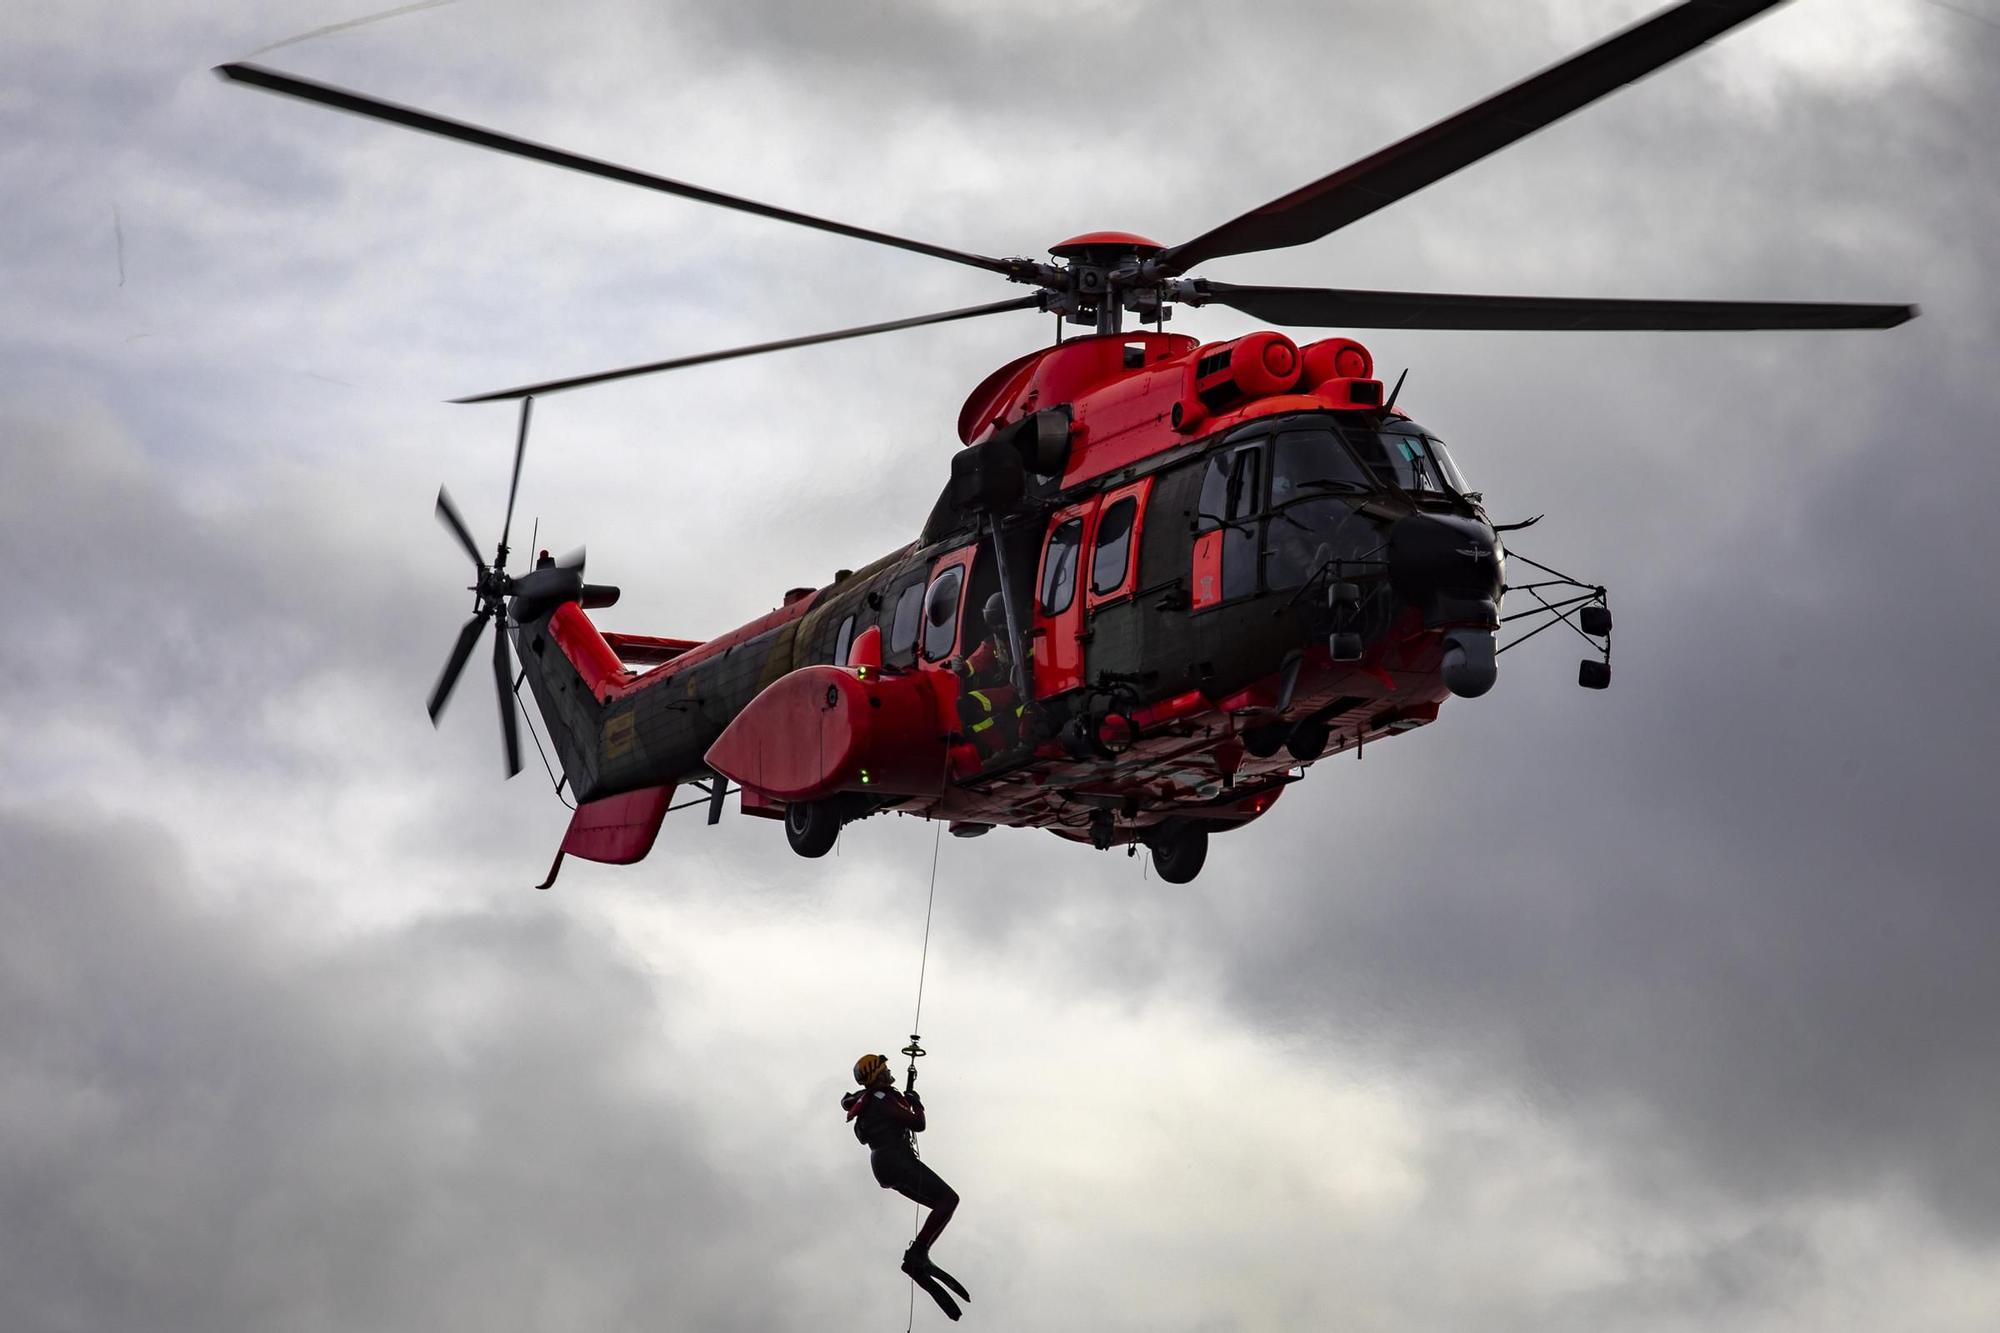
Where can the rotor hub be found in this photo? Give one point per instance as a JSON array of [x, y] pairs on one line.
[[496, 585], [1094, 242], [1106, 273]]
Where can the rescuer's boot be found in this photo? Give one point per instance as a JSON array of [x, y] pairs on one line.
[[918, 1266], [947, 1280], [919, 1262]]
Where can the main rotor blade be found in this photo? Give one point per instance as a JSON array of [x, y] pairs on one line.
[[680, 363], [503, 677], [520, 448], [1403, 168], [447, 513], [460, 651], [360, 104], [1337, 307]]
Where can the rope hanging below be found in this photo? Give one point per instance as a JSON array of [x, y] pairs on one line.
[[915, 1049]]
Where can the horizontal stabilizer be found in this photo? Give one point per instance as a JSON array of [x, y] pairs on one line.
[[618, 830], [645, 650]]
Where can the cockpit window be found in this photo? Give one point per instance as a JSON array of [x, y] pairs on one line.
[[1445, 464], [1402, 454], [1312, 462], [1306, 537]]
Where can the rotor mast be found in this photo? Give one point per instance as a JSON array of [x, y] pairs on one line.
[[1104, 274]]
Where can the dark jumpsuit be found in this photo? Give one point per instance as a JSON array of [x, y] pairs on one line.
[[885, 1120]]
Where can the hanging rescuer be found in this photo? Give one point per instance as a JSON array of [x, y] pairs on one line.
[[887, 1121]]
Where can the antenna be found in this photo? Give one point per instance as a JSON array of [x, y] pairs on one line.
[[1390, 406]]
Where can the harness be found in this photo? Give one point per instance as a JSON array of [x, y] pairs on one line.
[[876, 1132]]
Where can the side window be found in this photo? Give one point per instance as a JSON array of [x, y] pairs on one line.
[[1232, 499], [941, 613], [903, 627], [1214, 492], [1114, 546], [1233, 491], [1245, 489], [1059, 567], [843, 641]]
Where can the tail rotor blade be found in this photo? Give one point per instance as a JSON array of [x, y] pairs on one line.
[[503, 678], [447, 513], [460, 651], [520, 448]]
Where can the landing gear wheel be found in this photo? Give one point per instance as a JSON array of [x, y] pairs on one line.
[[1308, 741], [811, 827], [1265, 741], [1178, 857]]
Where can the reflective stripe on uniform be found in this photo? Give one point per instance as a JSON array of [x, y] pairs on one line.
[[985, 723]]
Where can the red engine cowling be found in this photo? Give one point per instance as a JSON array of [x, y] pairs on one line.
[[1253, 366], [823, 729], [1340, 371]]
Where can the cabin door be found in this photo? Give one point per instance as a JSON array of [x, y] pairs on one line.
[[1059, 601]]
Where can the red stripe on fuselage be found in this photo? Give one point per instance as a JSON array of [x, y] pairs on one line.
[[606, 675]]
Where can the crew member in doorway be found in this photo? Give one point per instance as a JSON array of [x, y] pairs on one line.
[[887, 1122], [988, 708]]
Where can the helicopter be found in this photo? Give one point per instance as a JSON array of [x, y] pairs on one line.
[[1163, 578]]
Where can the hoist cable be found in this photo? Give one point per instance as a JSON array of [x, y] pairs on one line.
[[917, 1024]]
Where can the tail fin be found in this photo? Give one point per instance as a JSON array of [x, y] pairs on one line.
[[574, 674], [577, 677]]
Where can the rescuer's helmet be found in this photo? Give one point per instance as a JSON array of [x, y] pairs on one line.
[[996, 614], [869, 1068]]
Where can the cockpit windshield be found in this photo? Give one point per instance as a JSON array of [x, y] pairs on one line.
[[1405, 454]]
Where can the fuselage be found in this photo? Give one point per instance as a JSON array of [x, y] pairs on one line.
[[1229, 576]]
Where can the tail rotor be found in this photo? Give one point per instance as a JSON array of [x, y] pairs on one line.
[[505, 600], [492, 587]]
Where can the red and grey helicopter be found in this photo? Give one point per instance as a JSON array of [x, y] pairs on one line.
[[1163, 578]]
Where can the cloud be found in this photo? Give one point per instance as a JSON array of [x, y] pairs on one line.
[[217, 1124]]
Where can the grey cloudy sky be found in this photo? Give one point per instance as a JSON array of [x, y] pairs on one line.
[[1662, 1009]]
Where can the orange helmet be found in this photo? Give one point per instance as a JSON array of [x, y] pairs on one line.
[[869, 1068]]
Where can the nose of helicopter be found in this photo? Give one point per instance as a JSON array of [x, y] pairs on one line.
[[1437, 560], [1450, 565]]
